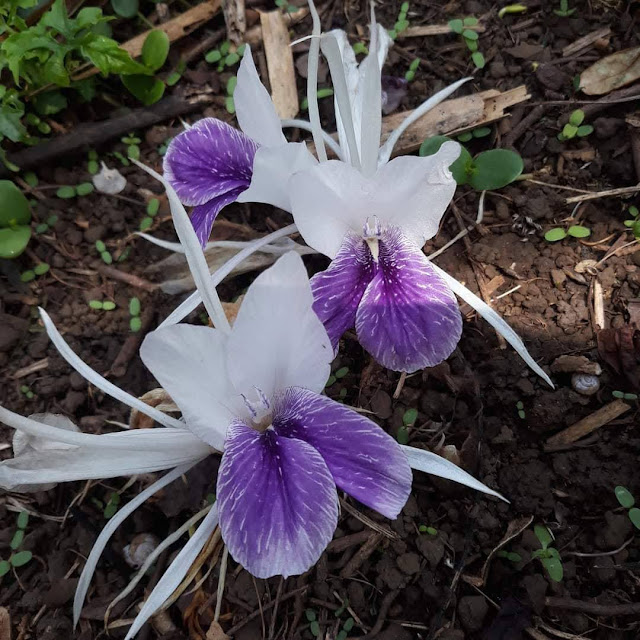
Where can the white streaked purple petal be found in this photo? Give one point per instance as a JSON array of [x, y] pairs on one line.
[[204, 215], [208, 160], [278, 502], [408, 318], [337, 290], [365, 461]]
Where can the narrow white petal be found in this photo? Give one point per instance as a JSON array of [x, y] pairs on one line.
[[174, 575], [99, 381], [435, 465], [496, 321], [193, 252], [110, 528], [176, 247], [312, 84], [305, 126], [192, 302], [387, 148]]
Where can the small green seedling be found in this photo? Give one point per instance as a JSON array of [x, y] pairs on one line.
[[626, 500], [68, 192], [312, 619], [152, 209], [548, 555], [411, 73], [162, 149], [48, 224], [511, 556], [621, 395], [489, 170], [15, 216], [520, 408], [284, 4], [408, 420], [92, 164], [26, 391], [132, 142], [633, 223], [135, 322], [39, 270], [322, 93], [124, 161], [223, 56], [402, 23], [100, 305], [478, 132], [111, 507], [575, 231], [330, 380], [470, 37], [31, 179], [360, 48], [423, 528], [101, 248], [564, 11], [18, 557], [512, 8], [575, 127], [231, 87]]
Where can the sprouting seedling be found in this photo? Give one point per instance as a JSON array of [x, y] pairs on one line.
[[621, 395], [512, 8], [162, 148], [135, 322], [633, 223], [575, 231], [575, 127], [511, 556], [312, 619], [408, 420], [132, 142], [101, 248], [520, 408], [478, 132], [462, 26], [152, 209], [488, 170], [564, 11], [432, 531], [67, 192], [102, 305], [18, 557], [31, 179], [123, 161], [548, 555], [15, 216], [45, 226], [92, 164], [26, 391], [411, 73], [224, 56], [111, 507], [402, 23], [231, 87], [322, 93], [360, 48], [284, 4], [39, 270], [626, 500]]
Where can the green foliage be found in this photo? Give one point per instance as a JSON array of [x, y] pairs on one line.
[[231, 87], [564, 11], [409, 417], [633, 223], [575, 231], [322, 93], [520, 409], [626, 500], [548, 555], [411, 73], [575, 127], [111, 507], [402, 23], [223, 56], [360, 48], [135, 322], [469, 37], [82, 189], [134, 306], [18, 557], [491, 169], [145, 86], [284, 4], [125, 8], [511, 556], [15, 216], [624, 396], [423, 528], [512, 8]]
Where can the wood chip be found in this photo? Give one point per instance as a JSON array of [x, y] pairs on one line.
[[434, 30], [235, 19], [5, 624], [32, 368], [282, 76], [254, 35], [587, 425], [585, 41]]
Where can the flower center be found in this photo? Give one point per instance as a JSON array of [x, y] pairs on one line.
[[260, 410], [372, 232]]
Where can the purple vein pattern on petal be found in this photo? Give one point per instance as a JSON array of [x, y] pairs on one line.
[[278, 502], [365, 461], [204, 215], [408, 318], [208, 160], [337, 291]]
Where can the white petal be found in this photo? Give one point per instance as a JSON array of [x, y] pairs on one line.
[[255, 112], [277, 340], [96, 379], [189, 363], [428, 462], [272, 168], [496, 321], [295, 123], [312, 85], [110, 528], [23, 442], [192, 302], [177, 570]]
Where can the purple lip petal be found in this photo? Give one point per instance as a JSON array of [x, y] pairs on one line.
[[203, 216], [408, 318], [365, 462], [337, 291], [208, 160], [278, 502]]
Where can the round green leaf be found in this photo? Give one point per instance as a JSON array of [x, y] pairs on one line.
[[13, 241], [470, 21], [66, 192], [576, 117], [617, 394], [554, 568], [348, 625], [495, 169], [5, 567], [310, 615], [213, 56], [146, 223], [231, 85], [577, 231], [624, 497], [460, 168], [135, 324], [472, 45], [106, 257], [634, 516], [153, 206], [342, 372], [481, 132], [95, 304], [543, 535], [230, 105], [27, 276], [569, 130], [232, 59], [108, 305], [14, 206], [553, 235], [584, 130], [21, 558], [32, 179], [469, 35], [636, 229], [84, 189], [403, 435], [17, 539], [478, 59], [125, 8], [409, 418], [23, 520], [155, 49], [92, 167], [465, 137], [172, 79], [41, 268], [134, 306], [456, 25], [146, 88], [314, 627]]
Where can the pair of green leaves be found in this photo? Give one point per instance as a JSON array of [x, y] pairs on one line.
[[145, 86], [489, 170], [470, 37], [626, 500], [548, 555], [17, 558], [15, 216], [575, 127], [575, 231]]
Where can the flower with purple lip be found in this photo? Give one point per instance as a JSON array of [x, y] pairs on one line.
[[211, 164]]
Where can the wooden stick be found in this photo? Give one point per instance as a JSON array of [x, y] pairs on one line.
[[585, 41], [621, 191], [434, 30], [587, 425], [569, 604], [254, 35], [282, 75]]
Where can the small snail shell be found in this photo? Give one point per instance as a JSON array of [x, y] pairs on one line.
[[585, 383], [140, 548]]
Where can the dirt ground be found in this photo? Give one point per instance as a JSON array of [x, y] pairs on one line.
[[431, 573]]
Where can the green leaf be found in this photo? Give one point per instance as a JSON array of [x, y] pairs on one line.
[[32, 180], [409, 417], [553, 235], [134, 306], [470, 21], [95, 304], [42, 228], [409, 75], [569, 130], [478, 59], [108, 305], [314, 627], [5, 567], [14, 206], [105, 54], [578, 231], [231, 59], [110, 510], [224, 47], [634, 516], [92, 167], [213, 56], [360, 48], [172, 79], [456, 25], [21, 558], [624, 497], [106, 257], [146, 223], [100, 246], [460, 168], [146, 88], [13, 241], [152, 207], [125, 8], [66, 192], [155, 49], [348, 624], [310, 615], [27, 276], [543, 534], [630, 396], [584, 131], [465, 137], [617, 394], [481, 132], [554, 568], [41, 268], [467, 34], [633, 210], [403, 435], [230, 105], [49, 103], [495, 169], [17, 539], [231, 85], [84, 188], [342, 372], [576, 117], [342, 635], [135, 324]]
